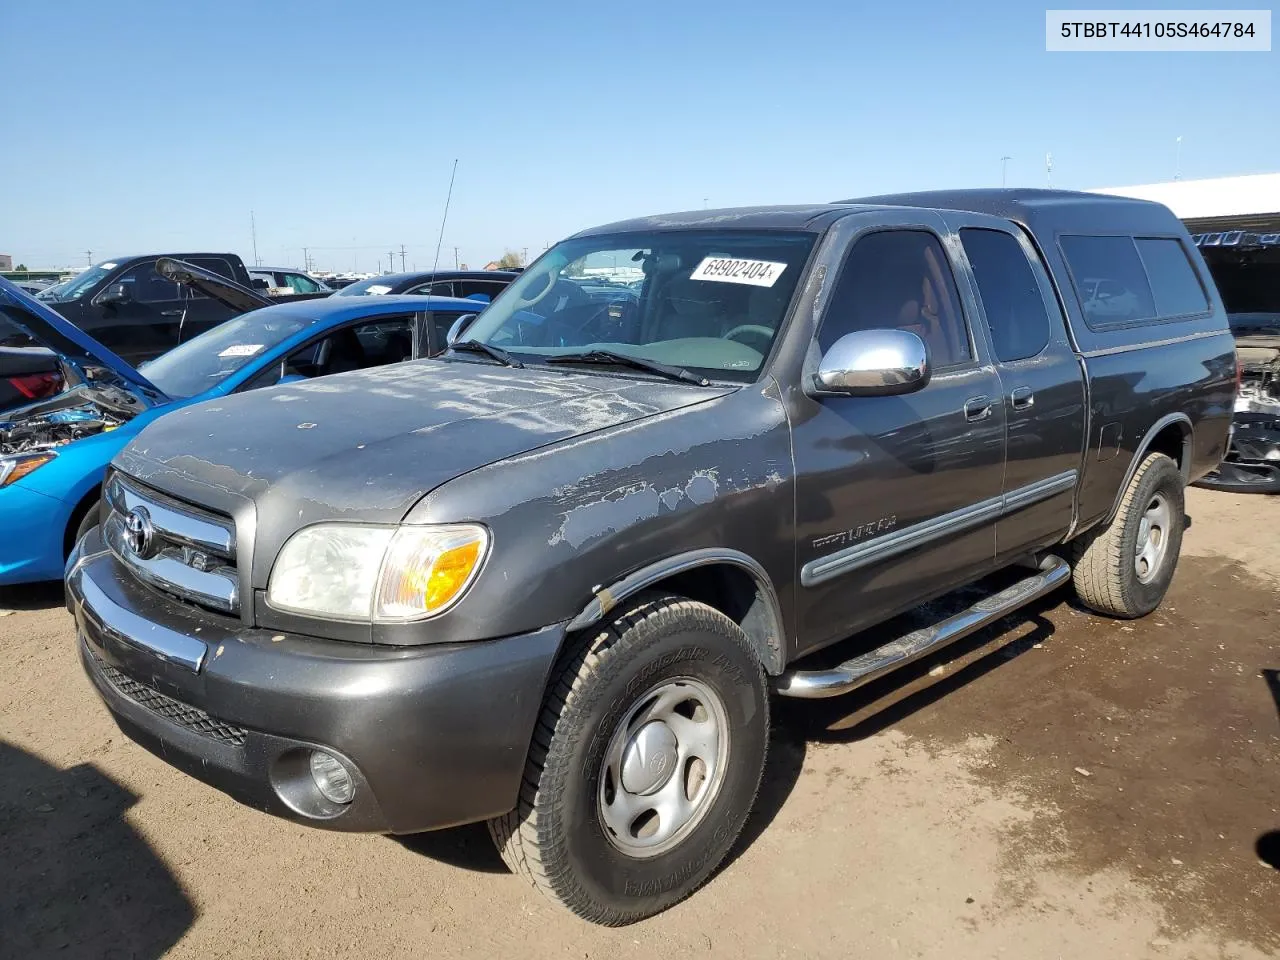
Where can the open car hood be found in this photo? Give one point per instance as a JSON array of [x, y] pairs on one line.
[[50, 329], [227, 292]]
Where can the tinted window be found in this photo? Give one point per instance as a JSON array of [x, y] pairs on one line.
[[1010, 295], [215, 265], [440, 324], [899, 279], [147, 286], [467, 288], [440, 288], [1173, 281], [1110, 279]]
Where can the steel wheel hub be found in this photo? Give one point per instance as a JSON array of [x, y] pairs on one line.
[[663, 768], [1153, 539]]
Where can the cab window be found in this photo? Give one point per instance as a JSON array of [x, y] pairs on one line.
[[147, 286], [1010, 295], [900, 279]]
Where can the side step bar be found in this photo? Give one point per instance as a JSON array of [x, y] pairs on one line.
[[848, 676]]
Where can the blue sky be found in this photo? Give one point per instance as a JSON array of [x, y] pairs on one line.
[[156, 125]]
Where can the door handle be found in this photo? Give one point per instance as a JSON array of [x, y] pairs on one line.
[[1021, 398], [172, 313], [977, 408]]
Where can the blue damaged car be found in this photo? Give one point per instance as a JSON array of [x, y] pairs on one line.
[[54, 452]]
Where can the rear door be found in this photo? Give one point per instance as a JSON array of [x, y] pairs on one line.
[[897, 497], [1041, 379]]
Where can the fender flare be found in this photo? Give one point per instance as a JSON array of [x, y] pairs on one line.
[[769, 648], [1187, 448]]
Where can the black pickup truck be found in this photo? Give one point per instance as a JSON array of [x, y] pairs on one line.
[[137, 313], [551, 578]]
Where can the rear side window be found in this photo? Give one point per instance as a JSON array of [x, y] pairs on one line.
[[1173, 280], [1110, 280], [1010, 296]]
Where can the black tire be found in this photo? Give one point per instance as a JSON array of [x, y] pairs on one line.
[[557, 838], [87, 523], [1103, 560]]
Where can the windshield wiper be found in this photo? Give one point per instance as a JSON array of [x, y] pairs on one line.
[[609, 358], [477, 346]]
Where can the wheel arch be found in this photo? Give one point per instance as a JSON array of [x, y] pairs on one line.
[[728, 580], [1172, 435]]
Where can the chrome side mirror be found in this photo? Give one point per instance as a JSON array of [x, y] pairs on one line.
[[873, 363], [458, 327]]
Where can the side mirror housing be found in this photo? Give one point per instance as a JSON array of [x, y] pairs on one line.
[[116, 293], [873, 363], [459, 327]]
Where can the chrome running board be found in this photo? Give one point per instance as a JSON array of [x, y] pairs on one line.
[[848, 676]]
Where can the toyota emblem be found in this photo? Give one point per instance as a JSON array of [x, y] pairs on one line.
[[139, 534]]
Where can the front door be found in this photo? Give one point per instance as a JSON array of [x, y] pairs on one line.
[[897, 497]]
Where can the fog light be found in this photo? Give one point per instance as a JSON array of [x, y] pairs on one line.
[[332, 779]]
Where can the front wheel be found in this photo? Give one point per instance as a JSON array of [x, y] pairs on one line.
[[645, 762], [1124, 568]]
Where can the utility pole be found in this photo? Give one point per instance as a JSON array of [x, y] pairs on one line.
[[1004, 170], [253, 229], [704, 202], [88, 255], [1048, 169], [306, 260], [455, 258], [391, 260], [1177, 159], [402, 258]]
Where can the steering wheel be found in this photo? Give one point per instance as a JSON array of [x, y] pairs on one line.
[[754, 329]]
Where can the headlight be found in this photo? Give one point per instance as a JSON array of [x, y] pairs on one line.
[[387, 574], [14, 468]]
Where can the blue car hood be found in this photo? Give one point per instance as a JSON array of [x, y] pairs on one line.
[[72, 344]]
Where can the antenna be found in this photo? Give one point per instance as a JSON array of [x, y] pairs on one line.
[[445, 218], [253, 229]]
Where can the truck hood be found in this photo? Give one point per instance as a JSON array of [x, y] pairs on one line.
[[69, 342], [368, 445], [227, 292]]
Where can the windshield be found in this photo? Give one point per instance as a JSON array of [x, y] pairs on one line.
[[706, 301], [205, 361], [374, 286], [83, 282]]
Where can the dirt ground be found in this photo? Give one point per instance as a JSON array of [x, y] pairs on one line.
[[1059, 786]]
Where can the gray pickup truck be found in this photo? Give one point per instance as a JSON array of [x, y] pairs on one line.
[[552, 578]]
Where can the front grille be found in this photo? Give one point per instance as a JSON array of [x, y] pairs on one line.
[[174, 547], [175, 711]]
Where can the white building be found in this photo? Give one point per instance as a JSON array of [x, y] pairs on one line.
[[1250, 203]]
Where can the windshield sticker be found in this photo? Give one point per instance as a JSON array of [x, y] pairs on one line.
[[758, 273], [241, 350], [377, 289]]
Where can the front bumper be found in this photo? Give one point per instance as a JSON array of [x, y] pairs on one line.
[[434, 735]]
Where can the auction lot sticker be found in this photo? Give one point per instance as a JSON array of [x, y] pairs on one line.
[[758, 273]]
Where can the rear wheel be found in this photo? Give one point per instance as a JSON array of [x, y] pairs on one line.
[[645, 762], [1124, 569]]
